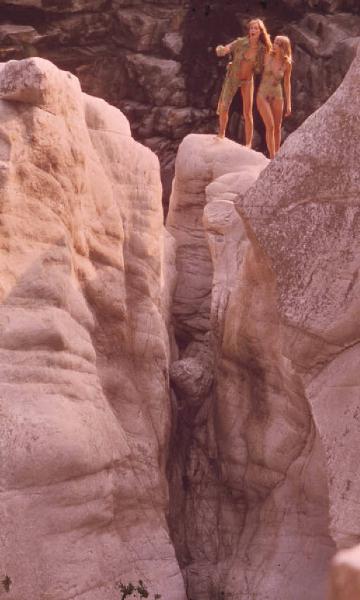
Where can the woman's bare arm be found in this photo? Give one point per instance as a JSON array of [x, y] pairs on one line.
[[222, 50], [287, 90]]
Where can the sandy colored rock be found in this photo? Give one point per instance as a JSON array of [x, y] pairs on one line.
[[345, 575], [225, 234], [39, 83], [96, 40], [201, 160], [83, 346], [210, 245], [268, 458], [289, 352], [320, 317]]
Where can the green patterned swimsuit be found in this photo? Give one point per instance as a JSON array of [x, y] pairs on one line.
[[232, 81], [270, 86]]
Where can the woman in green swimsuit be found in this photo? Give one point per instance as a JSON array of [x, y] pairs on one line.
[[270, 99], [248, 57]]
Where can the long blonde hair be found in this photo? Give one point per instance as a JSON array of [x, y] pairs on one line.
[[285, 46], [264, 36]]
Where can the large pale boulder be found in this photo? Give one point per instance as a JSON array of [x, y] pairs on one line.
[[84, 287], [201, 160], [160, 54], [210, 245], [313, 214], [345, 575], [265, 477], [225, 233], [288, 375]]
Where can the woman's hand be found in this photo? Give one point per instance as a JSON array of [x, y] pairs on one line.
[[288, 110], [220, 50]]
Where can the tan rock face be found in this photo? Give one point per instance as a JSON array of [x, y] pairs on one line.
[[83, 346], [268, 456], [155, 59], [210, 245], [310, 235], [345, 575], [201, 160]]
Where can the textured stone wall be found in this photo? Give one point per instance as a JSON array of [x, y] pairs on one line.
[[264, 473], [156, 61], [85, 284]]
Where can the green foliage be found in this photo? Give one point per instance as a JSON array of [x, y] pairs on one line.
[[137, 591]]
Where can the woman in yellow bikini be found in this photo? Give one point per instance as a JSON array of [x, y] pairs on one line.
[[270, 98], [248, 57]]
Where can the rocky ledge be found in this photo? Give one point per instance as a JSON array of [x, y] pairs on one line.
[[85, 286], [180, 406], [155, 59], [263, 472]]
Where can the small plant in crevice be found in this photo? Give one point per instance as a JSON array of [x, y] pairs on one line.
[[6, 583], [135, 591]]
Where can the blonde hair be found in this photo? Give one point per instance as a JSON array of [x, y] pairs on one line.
[[285, 46], [264, 35]]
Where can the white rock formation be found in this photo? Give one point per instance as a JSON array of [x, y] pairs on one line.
[[263, 461], [266, 481], [85, 414], [225, 232], [210, 245], [201, 160], [309, 234], [345, 575]]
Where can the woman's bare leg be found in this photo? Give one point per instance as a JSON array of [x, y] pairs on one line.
[[247, 92], [223, 119], [277, 107], [267, 116]]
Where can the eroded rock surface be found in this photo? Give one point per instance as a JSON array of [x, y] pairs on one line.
[[316, 266], [156, 61], [201, 160], [345, 575], [268, 459], [210, 245], [85, 286], [263, 454]]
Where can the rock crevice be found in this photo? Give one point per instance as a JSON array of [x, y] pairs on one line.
[[262, 472], [156, 60], [83, 345]]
